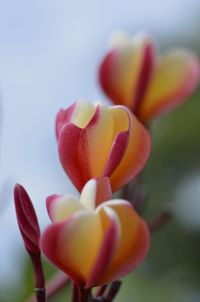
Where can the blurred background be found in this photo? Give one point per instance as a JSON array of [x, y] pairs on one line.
[[49, 56]]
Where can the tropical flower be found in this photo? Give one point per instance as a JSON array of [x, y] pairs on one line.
[[94, 242], [132, 74], [96, 141], [27, 220]]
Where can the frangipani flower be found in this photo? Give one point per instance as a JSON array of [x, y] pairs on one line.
[[132, 74], [94, 245], [27, 220], [96, 141]]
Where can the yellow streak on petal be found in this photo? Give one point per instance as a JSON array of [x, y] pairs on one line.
[[65, 206], [99, 138], [135, 156], [83, 114], [127, 68], [79, 243], [172, 74], [128, 242], [120, 118]]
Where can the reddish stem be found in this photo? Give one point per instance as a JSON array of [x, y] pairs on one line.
[[39, 277], [114, 288], [57, 282], [101, 290], [84, 294]]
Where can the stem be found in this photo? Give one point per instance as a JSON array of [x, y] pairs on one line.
[[55, 284], [75, 293], [39, 277], [114, 288], [84, 294], [101, 290]]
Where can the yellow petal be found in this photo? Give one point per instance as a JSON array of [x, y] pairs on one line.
[[82, 114], [79, 244], [136, 154], [62, 207], [175, 77], [133, 243]]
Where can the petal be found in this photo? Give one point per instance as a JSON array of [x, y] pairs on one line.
[[88, 195], [74, 245], [133, 245], [95, 192], [111, 236], [104, 191], [61, 207], [63, 117], [136, 154], [125, 71], [79, 113], [174, 79], [80, 150], [120, 138]]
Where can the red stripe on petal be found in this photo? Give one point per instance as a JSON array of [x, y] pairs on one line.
[[144, 76], [104, 191], [49, 201], [73, 153], [116, 153], [49, 244], [106, 72], [108, 248], [63, 117]]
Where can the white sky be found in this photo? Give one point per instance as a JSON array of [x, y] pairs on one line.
[[49, 52]]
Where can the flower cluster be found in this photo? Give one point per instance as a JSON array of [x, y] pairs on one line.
[[95, 239]]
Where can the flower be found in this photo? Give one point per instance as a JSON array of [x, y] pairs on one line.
[[96, 141], [30, 231], [94, 245], [132, 74], [27, 220]]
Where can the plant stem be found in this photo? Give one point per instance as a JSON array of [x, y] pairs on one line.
[[39, 277], [84, 294], [55, 284], [114, 289], [100, 291]]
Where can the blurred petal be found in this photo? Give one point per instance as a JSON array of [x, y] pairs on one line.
[[74, 245], [61, 207], [111, 236], [136, 154], [125, 71], [88, 194], [175, 77], [104, 191], [133, 245]]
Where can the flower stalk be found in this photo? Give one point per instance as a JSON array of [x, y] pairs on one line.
[[30, 231]]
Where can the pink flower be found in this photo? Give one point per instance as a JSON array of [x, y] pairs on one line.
[[96, 141], [94, 245], [132, 74]]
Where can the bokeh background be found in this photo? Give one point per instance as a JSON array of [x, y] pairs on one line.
[[49, 55]]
